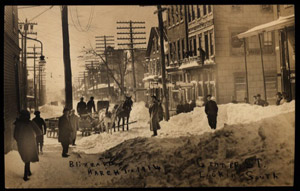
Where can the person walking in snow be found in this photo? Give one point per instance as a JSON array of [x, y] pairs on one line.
[[154, 115], [65, 132], [42, 125], [211, 110], [74, 119], [81, 107], [25, 134], [91, 105]]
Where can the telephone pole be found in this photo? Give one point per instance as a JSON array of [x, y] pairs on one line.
[[105, 41], [67, 60], [132, 42], [162, 60], [25, 25]]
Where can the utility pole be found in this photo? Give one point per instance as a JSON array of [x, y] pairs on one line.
[[106, 41], [67, 60], [162, 60], [131, 43], [25, 25]]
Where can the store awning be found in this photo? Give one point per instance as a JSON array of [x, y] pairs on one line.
[[280, 23], [191, 64]]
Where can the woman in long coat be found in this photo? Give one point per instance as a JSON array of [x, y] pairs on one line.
[[154, 115], [25, 134]]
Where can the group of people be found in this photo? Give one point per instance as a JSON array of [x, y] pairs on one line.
[[281, 98], [185, 107], [85, 108], [29, 135]]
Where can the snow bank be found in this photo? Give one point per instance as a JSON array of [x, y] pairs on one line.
[[184, 124], [196, 122]]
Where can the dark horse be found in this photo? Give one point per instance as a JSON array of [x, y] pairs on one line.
[[123, 111]]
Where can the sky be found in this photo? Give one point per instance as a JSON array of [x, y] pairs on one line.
[[82, 34]]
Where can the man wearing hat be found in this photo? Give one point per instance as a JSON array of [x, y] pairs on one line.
[[156, 115], [91, 105], [81, 107], [260, 101], [42, 125], [211, 110], [65, 132], [74, 119]]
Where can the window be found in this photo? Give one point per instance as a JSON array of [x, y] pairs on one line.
[[193, 12], [204, 10], [169, 20], [236, 8], [240, 87], [198, 11], [206, 46], [211, 43], [182, 49], [191, 47], [195, 47], [268, 42], [180, 12], [171, 51], [209, 8], [13, 20], [178, 49], [267, 8], [189, 14], [172, 14], [157, 46]]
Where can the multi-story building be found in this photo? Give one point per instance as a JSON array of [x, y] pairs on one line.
[[152, 76], [283, 26], [12, 75], [215, 62]]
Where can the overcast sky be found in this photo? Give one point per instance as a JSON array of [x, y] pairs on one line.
[[102, 22]]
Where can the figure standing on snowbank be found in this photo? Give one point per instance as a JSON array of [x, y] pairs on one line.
[[211, 110], [81, 107], [156, 115], [65, 132], [25, 134]]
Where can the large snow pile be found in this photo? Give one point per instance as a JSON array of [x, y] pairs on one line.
[[196, 122], [254, 154]]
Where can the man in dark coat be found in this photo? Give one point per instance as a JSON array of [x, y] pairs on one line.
[[81, 107], [65, 132], [42, 125], [179, 108], [211, 110], [154, 115], [25, 134], [91, 105]]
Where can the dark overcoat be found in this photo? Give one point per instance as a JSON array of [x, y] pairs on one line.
[[25, 134], [64, 130], [154, 117], [211, 108]]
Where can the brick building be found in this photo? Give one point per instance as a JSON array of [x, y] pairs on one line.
[[12, 75], [215, 61]]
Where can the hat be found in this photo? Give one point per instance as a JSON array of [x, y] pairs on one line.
[[258, 95], [37, 113], [24, 114], [92, 97], [81, 98], [66, 109], [153, 96], [208, 95]]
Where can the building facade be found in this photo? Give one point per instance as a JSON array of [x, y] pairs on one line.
[[213, 60], [12, 75]]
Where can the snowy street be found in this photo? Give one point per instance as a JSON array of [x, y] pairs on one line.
[[185, 147]]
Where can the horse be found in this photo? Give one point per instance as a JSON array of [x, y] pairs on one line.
[[123, 111]]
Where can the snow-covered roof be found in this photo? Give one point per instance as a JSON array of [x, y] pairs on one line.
[[189, 65], [280, 23], [151, 77], [101, 86]]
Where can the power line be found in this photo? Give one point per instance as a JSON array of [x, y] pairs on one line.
[[41, 13]]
